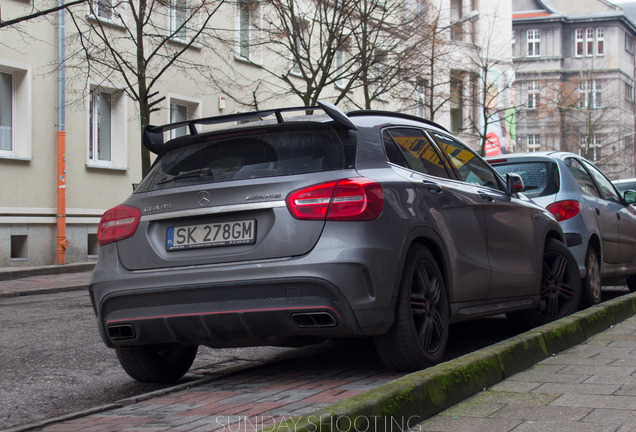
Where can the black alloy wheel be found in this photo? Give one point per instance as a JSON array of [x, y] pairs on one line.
[[419, 334]]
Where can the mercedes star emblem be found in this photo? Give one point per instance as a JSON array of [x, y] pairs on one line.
[[203, 198]]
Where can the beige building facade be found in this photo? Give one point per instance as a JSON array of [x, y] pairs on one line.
[[101, 119]]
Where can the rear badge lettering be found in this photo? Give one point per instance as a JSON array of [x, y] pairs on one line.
[[262, 197], [157, 207]]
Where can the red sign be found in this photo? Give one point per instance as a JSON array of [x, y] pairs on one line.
[[493, 146]]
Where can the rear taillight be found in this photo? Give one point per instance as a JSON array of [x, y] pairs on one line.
[[564, 210], [355, 199], [117, 224]]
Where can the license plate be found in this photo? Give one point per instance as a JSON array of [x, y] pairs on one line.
[[211, 235]]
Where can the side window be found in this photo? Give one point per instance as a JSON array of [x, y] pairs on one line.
[[607, 190], [469, 166], [412, 149], [582, 177]]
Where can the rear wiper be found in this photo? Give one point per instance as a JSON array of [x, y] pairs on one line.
[[201, 172]]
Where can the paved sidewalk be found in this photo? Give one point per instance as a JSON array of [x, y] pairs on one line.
[[591, 387], [44, 283]]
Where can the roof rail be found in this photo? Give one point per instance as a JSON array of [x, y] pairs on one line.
[[152, 136], [396, 114]]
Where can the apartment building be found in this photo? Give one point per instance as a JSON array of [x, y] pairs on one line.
[[574, 65], [94, 107]]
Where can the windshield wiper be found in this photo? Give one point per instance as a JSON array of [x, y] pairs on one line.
[[201, 172]]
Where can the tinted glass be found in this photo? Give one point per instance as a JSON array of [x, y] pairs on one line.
[[539, 178], [470, 167], [607, 189], [252, 156], [416, 150], [582, 177]]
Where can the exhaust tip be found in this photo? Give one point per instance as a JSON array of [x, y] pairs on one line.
[[314, 319], [119, 332]]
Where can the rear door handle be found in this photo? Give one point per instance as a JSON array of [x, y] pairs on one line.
[[432, 186], [598, 212]]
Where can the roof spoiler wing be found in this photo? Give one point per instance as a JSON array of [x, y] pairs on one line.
[[152, 136]]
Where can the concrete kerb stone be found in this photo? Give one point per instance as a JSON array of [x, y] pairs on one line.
[[417, 396]]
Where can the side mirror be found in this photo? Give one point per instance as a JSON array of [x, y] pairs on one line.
[[514, 184], [629, 197]]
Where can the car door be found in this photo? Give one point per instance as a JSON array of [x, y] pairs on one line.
[[511, 240], [455, 210], [617, 214]]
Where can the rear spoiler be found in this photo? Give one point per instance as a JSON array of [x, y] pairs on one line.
[[152, 136]]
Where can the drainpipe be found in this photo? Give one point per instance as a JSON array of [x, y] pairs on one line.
[[62, 242]]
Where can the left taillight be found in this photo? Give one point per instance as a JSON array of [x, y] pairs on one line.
[[564, 210], [351, 199], [118, 223]]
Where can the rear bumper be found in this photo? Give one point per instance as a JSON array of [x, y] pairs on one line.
[[249, 304]]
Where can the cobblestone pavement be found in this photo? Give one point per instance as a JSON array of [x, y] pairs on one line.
[[245, 402], [591, 387]]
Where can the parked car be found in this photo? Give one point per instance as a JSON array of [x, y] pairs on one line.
[[625, 185], [599, 223], [282, 228]]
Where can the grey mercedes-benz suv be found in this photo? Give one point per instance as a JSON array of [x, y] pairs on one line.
[[295, 225]]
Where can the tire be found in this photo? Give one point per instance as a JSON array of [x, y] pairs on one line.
[[591, 294], [560, 293], [157, 363], [419, 333]]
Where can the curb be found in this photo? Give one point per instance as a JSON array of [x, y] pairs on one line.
[[21, 272], [413, 398]]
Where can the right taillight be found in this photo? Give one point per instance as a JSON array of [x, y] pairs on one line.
[[118, 223], [352, 199], [564, 210]]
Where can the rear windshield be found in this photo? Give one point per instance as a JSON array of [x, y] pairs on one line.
[[539, 178], [253, 156]]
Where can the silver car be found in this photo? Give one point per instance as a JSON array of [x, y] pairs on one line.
[[599, 223], [291, 226]]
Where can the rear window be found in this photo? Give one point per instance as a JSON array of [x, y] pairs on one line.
[[253, 156], [539, 178]]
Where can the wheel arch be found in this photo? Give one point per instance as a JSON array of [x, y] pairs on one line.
[[433, 242]]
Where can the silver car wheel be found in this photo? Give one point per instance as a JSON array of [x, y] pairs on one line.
[[592, 280]]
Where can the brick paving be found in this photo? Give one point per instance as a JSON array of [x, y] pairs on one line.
[[248, 401], [591, 387]]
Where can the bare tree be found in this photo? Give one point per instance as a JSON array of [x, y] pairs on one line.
[[136, 42]]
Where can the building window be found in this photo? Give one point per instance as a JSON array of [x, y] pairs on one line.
[[629, 92], [457, 100], [247, 15], [578, 36], [103, 9], [533, 95], [629, 43], [590, 94], [589, 42], [100, 126], [178, 113], [7, 104], [534, 42], [178, 18], [301, 36], [107, 122], [600, 41], [590, 147], [15, 111], [341, 67], [534, 143], [456, 29]]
